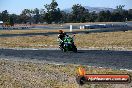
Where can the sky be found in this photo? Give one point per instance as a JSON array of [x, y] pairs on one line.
[[16, 6]]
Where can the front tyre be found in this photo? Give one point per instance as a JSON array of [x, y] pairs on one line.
[[75, 49], [64, 50]]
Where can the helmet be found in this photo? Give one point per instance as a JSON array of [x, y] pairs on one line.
[[60, 31]]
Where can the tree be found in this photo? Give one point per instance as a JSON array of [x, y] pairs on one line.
[[53, 13], [36, 15], [11, 21], [5, 16], [0, 16], [130, 14], [69, 18], [64, 17], [53, 5], [125, 15], [101, 16], [23, 17], [15, 18], [116, 17], [120, 8], [108, 16], [104, 16], [93, 17], [79, 13], [130, 11], [26, 16], [119, 14], [42, 15]]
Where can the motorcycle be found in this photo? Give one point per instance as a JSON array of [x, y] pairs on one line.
[[68, 44]]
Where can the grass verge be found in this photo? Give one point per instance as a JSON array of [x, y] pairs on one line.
[[105, 40], [25, 31], [21, 74]]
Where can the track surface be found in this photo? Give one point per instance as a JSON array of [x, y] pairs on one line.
[[103, 58]]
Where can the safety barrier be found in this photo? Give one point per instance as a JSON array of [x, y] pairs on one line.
[[103, 26], [14, 28]]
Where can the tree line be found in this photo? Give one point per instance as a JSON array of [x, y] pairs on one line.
[[52, 14]]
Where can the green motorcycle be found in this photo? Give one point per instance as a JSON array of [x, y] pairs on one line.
[[68, 45]]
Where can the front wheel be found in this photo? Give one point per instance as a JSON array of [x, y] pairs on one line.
[[75, 49], [64, 50]]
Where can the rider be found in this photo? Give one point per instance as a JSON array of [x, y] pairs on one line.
[[61, 34], [61, 37]]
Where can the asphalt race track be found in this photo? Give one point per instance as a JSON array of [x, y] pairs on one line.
[[101, 58]]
